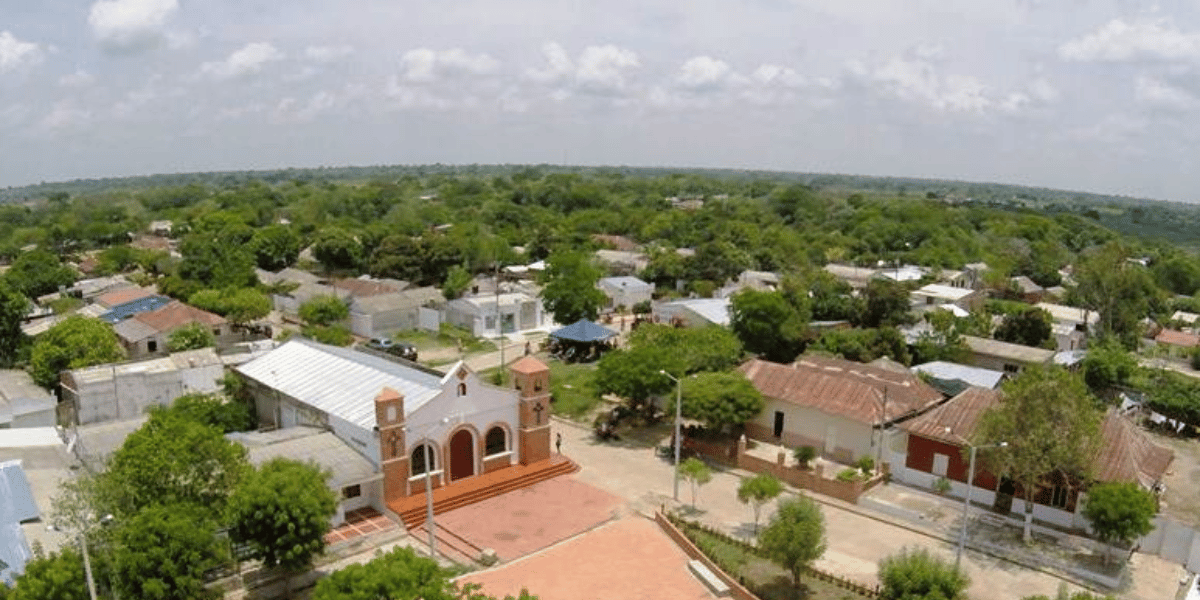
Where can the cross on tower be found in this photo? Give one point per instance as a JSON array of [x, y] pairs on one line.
[[537, 408], [394, 440]]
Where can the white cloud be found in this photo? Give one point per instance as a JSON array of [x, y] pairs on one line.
[[1119, 41], [327, 54], [250, 59], [1154, 93], [65, 115], [78, 79], [558, 65], [601, 69], [424, 65], [918, 81], [15, 53], [703, 72], [130, 25], [775, 75]]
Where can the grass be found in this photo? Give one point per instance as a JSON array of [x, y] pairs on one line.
[[575, 394], [447, 337]]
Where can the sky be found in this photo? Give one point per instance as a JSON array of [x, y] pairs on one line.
[[1075, 94]]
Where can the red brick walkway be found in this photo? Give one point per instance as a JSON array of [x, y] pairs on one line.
[[359, 522]]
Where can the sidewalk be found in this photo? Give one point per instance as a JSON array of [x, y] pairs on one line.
[[857, 537]]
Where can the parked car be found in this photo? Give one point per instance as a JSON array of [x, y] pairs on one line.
[[401, 349]]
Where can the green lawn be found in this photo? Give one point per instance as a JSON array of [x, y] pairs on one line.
[[574, 393]]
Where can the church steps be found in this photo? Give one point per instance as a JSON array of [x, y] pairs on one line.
[[414, 515], [450, 544]]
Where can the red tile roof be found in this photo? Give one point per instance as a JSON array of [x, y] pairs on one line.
[[123, 295], [527, 365], [841, 387], [960, 414], [1127, 454], [1171, 337], [176, 315]]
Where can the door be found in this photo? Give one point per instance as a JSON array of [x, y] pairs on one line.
[[462, 455], [1004, 496], [779, 423]]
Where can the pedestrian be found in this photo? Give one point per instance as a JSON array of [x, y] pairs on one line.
[[558, 442], [528, 349]]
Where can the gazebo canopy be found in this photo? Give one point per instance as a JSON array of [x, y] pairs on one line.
[[585, 331]]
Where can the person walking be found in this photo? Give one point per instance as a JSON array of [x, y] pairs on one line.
[[558, 442]]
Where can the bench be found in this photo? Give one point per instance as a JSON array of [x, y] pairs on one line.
[[718, 587]]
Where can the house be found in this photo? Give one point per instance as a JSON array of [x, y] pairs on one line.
[[1004, 356], [840, 407], [1070, 326], [23, 403], [969, 376], [1178, 344], [901, 273], [936, 295], [625, 291], [33, 462], [382, 315], [760, 281], [1029, 290], [105, 393], [367, 286], [694, 312], [517, 311], [938, 438], [1185, 320], [415, 426], [622, 262], [129, 302], [148, 333], [856, 277]]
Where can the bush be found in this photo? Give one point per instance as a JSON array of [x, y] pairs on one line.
[[915, 573], [848, 475], [942, 485], [866, 464], [805, 455]]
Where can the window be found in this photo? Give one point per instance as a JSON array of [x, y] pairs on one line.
[[217, 331], [537, 384], [1058, 496], [495, 442], [1008, 368], [941, 464], [152, 346], [417, 460], [462, 389], [352, 491]]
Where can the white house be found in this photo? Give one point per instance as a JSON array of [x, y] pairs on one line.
[[936, 295], [512, 311], [114, 392], [1071, 326], [625, 291], [382, 315], [694, 312]]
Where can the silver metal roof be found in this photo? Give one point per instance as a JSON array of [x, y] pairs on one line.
[[340, 381], [309, 444], [976, 376]]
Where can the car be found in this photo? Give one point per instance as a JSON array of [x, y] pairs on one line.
[[401, 349]]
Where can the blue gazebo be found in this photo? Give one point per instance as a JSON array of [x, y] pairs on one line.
[[581, 339]]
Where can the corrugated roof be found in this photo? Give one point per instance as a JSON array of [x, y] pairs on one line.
[[1171, 337], [946, 292], [340, 381], [117, 297], [132, 330], [346, 466], [625, 282], [1070, 314], [1127, 454], [1017, 352], [364, 288], [841, 387], [714, 310], [960, 414], [977, 376], [176, 315], [126, 310], [18, 503]]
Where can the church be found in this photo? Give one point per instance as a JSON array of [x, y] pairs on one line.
[[462, 437]]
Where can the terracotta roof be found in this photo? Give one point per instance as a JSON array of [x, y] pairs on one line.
[[123, 295], [1127, 454], [841, 387], [1171, 337], [528, 364], [960, 414], [176, 315]]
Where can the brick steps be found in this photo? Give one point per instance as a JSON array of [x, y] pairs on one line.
[[487, 486], [450, 544]]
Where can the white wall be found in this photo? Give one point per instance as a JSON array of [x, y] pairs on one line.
[[483, 406], [809, 427], [132, 393]]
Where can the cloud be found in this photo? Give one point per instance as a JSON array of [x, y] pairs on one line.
[[327, 54], [65, 115], [130, 25], [558, 65], [601, 69], [424, 65], [16, 53], [917, 80], [1156, 94], [1119, 41], [250, 59], [78, 79], [703, 72]]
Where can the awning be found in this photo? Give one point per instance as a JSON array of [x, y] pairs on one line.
[[584, 330]]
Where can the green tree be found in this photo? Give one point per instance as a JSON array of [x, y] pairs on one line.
[[13, 308], [237, 305], [275, 247], [696, 473], [192, 336], [1121, 291], [399, 573], [758, 491], [1030, 327], [887, 303], [224, 413], [768, 324], [38, 272], [1107, 364], [282, 509], [1050, 425], [1064, 594], [1119, 512], [570, 291], [337, 248], [699, 348], [721, 400], [324, 310], [163, 553], [458, 279], [57, 576], [915, 574], [216, 260], [172, 460], [795, 536], [72, 343], [634, 374]]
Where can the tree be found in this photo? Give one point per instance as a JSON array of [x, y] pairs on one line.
[[458, 279], [767, 324], [324, 310], [1051, 428], [915, 574], [1107, 364], [13, 308], [699, 348], [226, 414], [570, 291], [192, 336], [58, 576], [795, 536], [634, 374], [38, 272], [163, 553], [217, 260], [237, 305], [696, 473], [757, 491], [72, 343], [337, 248], [275, 247], [1119, 512], [172, 460], [1030, 327], [399, 573], [282, 509], [721, 400], [1120, 290], [887, 303]]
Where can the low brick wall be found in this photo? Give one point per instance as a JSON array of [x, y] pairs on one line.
[[736, 589], [720, 451], [814, 481]]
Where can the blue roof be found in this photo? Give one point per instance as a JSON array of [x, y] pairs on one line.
[[584, 330], [125, 310], [16, 506]]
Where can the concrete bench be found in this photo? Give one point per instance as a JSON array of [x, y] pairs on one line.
[[710, 579]]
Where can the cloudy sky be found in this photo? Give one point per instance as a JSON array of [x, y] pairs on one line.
[[1078, 94]]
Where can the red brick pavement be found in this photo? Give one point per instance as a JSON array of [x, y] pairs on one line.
[[359, 522]]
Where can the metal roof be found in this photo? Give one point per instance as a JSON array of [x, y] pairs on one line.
[[18, 501], [976, 376], [954, 422], [1017, 352], [1127, 454], [125, 310], [625, 282], [341, 381], [713, 310], [345, 465], [584, 330]]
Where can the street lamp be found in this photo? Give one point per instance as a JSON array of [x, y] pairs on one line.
[[81, 537], [429, 485], [962, 533], [678, 412]]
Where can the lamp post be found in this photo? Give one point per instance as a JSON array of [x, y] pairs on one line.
[[81, 537], [678, 440], [962, 533], [429, 486]]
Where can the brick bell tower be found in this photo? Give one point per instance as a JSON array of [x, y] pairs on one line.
[[532, 380], [393, 447]]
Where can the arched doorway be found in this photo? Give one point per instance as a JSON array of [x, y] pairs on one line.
[[462, 455]]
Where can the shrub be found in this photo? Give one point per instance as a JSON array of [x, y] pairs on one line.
[[848, 475], [942, 485], [805, 455], [865, 464], [915, 573]]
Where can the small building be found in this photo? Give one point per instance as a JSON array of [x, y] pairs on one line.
[[1071, 326], [23, 403], [1028, 289], [902, 273], [148, 333], [759, 281], [969, 376], [621, 262], [115, 392], [937, 295], [128, 308], [383, 315], [1178, 344], [856, 277], [1004, 356], [33, 463], [694, 312], [513, 311], [625, 291]]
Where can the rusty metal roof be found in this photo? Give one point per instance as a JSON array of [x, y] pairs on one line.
[[1127, 454], [959, 415], [841, 387]]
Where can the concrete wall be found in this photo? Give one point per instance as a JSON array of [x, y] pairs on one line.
[[132, 393], [833, 436]]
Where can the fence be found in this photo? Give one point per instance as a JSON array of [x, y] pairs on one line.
[[814, 480], [1173, 541]]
